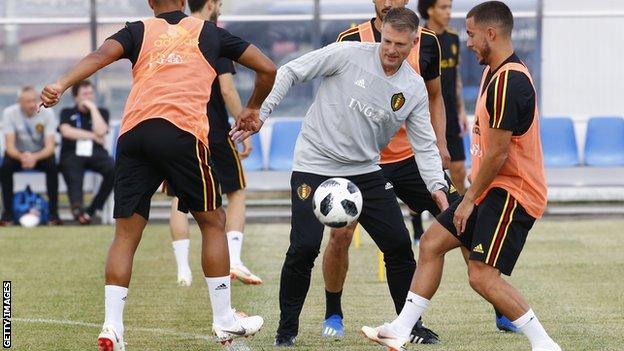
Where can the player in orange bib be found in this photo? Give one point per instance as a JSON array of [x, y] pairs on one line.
[[164, 136], [507, 194]]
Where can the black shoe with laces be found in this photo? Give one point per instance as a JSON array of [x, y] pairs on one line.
[[284, 341], [423, 335]]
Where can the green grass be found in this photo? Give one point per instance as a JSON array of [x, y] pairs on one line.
[[570, 271]]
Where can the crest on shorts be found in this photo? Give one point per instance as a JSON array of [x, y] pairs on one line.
[[397, 101], [39, 128], [304, 191]]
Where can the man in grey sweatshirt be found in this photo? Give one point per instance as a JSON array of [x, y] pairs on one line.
[[366, 94]]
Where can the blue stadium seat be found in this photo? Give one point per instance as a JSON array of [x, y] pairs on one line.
[[468, 161], [254, 162], [283, 140], [559, 142], [604, 145]]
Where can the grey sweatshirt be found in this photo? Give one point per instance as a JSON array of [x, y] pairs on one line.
[[356, 111]]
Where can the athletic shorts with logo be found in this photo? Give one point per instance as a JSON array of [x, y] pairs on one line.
[[495, 231], [155, 151], [226, 165], [409, 186]]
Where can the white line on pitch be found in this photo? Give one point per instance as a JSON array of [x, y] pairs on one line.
[[238, 345], [84, 324]]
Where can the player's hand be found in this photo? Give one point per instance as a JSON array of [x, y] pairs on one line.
[[246, 149], [439, 197], [463, 123], [462, 213], [51, 95], [247, 123], [445, 156]]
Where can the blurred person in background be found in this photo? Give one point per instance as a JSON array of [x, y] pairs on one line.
[[84, 128], [29, 145], [226, 161], [438, 15]]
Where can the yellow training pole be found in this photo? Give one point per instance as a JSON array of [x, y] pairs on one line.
[[381, 268], [357, 236]]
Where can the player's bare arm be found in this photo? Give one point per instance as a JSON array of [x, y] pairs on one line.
[[461, 107], [490, 165], [438, 117], [248, 121], [106, 54], [233, 105], [420, 131]]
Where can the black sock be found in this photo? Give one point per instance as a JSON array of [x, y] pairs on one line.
[[498, 314], [333, 304], [418, 226]]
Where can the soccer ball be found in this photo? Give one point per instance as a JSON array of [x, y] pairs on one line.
[[337, 202], [29, 220]]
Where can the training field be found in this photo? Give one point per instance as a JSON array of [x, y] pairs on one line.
[[571, 271]]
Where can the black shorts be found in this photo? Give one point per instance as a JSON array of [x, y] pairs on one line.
[[155, 151], [496, 230], [455, 145], [409, 186], [227, 165]]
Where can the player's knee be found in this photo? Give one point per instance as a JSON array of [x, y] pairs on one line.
[[429, 245], [340, 239], [212, 219], [236, 196], [479, 276]]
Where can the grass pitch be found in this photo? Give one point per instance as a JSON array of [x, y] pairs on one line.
[[570, 271]]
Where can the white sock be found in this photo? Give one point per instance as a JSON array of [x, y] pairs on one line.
[[533, 329], [414, 307], [181, 252], [235, 244], [220, 299], [114, 302]]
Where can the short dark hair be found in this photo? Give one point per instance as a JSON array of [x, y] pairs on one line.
[[83, 83], [494, 12], [402, 19], [197, 5], [423, 6]]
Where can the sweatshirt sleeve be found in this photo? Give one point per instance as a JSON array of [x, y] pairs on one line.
[[324, 62]]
